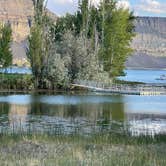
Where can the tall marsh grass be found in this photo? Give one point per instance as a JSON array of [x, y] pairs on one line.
[[31, 147], [97, 150]]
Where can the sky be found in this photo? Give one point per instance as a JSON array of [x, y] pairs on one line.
[[156, 8]]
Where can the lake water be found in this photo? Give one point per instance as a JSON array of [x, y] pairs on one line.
[[83, 113], [146, 76], [19, 70]]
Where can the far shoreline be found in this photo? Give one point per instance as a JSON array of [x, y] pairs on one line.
[[137, 68], [127, 68]]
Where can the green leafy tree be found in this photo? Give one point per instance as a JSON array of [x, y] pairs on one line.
[[35, 53], [82, 62], [66, 23], [40, 43], [118, 34], [5, 41], [35, 49]]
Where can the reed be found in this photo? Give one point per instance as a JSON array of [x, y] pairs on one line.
[[76, 150]]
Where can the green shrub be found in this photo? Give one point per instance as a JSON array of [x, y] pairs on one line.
[[16, 81]]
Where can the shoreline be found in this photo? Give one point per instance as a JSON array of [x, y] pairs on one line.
[[116, 89], [133, 68]]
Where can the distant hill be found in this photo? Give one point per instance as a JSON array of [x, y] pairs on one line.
[[149, 43]]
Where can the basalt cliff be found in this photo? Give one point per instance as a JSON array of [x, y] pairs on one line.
[[149, 43], [19, 13]]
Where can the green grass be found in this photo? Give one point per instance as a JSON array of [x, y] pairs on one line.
[[122, 82], [103, 149]]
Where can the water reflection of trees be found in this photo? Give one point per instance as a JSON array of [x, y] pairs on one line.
[[104, 115], [80, 117], [18, 114], [4, 108], [13, 116], [38, 114], [92, 112]]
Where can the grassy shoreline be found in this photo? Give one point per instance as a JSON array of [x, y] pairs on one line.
[[24, 83], [47, 150]]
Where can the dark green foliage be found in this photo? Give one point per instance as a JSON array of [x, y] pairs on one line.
[[39, 9], [5, 40], [66, 23], [35, 53], [16, 82], [40, 43], [82, 22]]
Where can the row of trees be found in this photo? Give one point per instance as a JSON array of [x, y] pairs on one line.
[[91, 44]]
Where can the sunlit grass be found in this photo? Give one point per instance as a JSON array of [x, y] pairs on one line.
[[101, 149]]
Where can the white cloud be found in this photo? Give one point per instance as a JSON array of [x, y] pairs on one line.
[[123, 4], [95, 2], [152, 6], [63, 1], [155, 7]]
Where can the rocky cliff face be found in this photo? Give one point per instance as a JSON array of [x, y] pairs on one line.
[[149, 43], [151, 36], [19, 13]]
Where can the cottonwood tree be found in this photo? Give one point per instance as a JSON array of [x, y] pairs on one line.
[[40, 43], [118, 34], [5, 41]]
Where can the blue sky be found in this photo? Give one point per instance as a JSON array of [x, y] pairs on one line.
[[141, 7]]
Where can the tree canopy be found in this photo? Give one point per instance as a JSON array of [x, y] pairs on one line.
[[91, 44]]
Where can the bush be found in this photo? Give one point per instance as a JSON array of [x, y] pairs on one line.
[[16, 81]]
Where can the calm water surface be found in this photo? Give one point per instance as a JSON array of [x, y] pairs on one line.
[[146, 76], [85, 113], [14, 69]]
